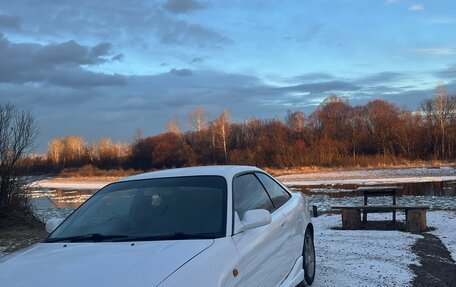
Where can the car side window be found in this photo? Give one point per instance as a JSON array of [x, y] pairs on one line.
[[249, 194], [278, 195]]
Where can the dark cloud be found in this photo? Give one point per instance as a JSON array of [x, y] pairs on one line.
[[118, 57], [322, 87], [138, 25], [183, 6], [71, 52], [181, 72], [197, 60], [447, 73], [179, 32], [10, 22], [79, 78], [381, 78], [57, 64]]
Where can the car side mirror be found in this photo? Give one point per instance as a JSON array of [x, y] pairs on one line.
[[53, 223], [252, 219]]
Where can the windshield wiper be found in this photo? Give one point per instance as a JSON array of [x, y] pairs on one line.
[[95, 237], [170, 236]]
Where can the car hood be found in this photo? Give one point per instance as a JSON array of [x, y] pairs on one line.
[[98, 264]]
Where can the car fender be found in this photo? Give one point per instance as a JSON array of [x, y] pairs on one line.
[[216, 266]]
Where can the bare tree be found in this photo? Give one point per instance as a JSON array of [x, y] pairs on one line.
[[55, 151], [173, 127], [197, 119], [75, 148], [18, 131], [222, 125], [439, 111]]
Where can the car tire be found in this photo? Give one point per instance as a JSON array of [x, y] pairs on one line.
[[308, 255]]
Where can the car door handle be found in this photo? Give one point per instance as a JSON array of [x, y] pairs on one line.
[[283, 223]]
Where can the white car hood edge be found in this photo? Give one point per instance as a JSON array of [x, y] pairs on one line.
[[99, 264]]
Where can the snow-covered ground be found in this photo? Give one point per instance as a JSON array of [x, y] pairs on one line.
[[327, 190], [362, 257], [445, 228]]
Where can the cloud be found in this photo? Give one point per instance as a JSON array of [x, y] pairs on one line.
[[197, 60], [181, 72], [142, 24], [447, 73], [179, 32], [57, 64], [183, 6], [416, 8], [322, 87], [441, 51], [380, 78], [10, 22], [118, 57]]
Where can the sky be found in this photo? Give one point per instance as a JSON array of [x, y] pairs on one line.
[[106, 68]]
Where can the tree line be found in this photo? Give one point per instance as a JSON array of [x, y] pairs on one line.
[[335, 134]]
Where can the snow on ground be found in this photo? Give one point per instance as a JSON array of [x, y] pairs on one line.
[[375, 176], [445, 228], [362, 257], [328, 190]]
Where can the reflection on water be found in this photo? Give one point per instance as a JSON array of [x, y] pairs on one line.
[[64, 198]]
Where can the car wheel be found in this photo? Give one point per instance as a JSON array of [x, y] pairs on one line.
[[308, 255]]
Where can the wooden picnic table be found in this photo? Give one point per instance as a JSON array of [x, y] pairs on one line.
[[377, 191], [415, 216]]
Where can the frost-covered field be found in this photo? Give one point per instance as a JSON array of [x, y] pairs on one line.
[[364, 257]]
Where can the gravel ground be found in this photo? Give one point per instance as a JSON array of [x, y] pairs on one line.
[[436, 267]]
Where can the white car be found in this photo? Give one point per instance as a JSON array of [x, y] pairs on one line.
[[202, 226]]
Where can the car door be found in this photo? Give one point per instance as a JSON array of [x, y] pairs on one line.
[[289, 207], [260, 247]]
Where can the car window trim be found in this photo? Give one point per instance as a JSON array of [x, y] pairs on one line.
[[232, 194], [284, 189]]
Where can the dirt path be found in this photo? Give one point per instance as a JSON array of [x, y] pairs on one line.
[[437, 267]]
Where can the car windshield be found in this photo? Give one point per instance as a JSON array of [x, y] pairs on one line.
[[192, 207]]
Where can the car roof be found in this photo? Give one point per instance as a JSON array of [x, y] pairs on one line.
[[227, 171]]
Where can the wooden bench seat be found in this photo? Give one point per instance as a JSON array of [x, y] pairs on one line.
[[415, 215]]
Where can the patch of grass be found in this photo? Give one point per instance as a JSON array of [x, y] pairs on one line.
[[18, 230], [12, 239], [90, 171]]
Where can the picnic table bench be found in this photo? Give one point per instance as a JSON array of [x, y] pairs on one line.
[[377, 191], [415, 216]]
